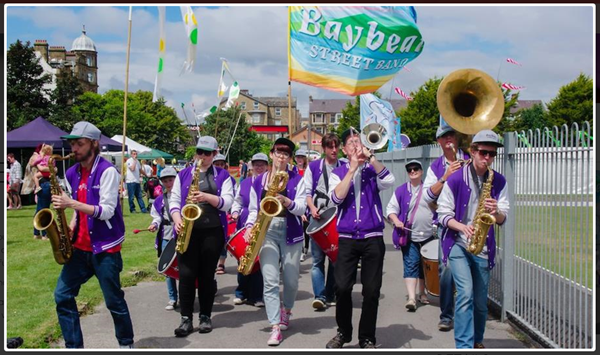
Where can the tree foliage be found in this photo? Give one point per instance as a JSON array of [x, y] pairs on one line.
[[150, 123], [420, 118], [25, 78], [531, 118], [63, 97], [245, 142], [574, 103]]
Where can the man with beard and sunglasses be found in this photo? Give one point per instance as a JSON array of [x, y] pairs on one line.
[[97, 231], [457, 208]]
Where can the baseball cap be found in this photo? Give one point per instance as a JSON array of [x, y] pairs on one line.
[[84, 129], [301, 152], [414, 162], [347, 132], [207, 143], [443, 130], [285, 141], [487, 136], [260, 156], [219, 157], [168, 171]]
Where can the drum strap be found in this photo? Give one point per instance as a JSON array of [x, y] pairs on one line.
[[321, 195]]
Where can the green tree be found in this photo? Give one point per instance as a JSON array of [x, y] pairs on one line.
[[420, 118], [150, 123], [63, 97], [245, 143], [25, 78], [350, 116], [531, 118], [574, 103]]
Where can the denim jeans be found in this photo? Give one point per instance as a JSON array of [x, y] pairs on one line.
[[411, 257], [134, 190], [471, 276], [325, 291], [171, 282], [44, 199], [82, 266], [274, 250], [250, 287], [446, 286]]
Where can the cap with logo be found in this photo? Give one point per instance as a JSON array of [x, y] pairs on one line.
[[207, 143], [219, 157], [167, 172], [84, 130], [443, 130], [487, 136]]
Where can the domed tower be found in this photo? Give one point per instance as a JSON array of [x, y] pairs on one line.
[[86, 65]]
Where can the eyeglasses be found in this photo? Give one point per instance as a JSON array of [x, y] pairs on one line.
[[282, 154], [203, 152], [411, 169], [491, 153]]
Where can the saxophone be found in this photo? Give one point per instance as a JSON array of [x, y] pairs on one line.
[[483, 220], [56, 227], [189, 213], [269, 208]]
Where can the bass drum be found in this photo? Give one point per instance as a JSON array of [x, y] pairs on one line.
[[324, 232], [429, 254], [167, 263], [237, 247]]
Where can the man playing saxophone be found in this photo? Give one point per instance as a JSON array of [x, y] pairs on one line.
[[98, 230], [214, 194], [474, 191], [283, 240]]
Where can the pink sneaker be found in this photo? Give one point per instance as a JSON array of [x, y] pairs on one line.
[[284, 321], [276, 337]]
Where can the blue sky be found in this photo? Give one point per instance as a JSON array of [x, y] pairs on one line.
[[554, 44]]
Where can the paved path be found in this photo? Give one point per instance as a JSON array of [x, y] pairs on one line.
[[245, 326]]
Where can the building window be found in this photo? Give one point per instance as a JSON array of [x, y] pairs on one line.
[[319, 129], [243, 105], [90, 77], [256, 118], [278, 111], [277, 122], [90, 61], [256, 105], [318, 118], [338, 117]]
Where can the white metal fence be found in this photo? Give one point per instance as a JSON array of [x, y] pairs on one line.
[[544, 275]]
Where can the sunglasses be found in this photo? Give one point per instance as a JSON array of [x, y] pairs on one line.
[[411, 169], [491, 153], [203, 152]]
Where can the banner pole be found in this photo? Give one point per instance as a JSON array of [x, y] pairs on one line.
[[124, 166]]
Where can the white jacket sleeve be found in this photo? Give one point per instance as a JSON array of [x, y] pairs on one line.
[[175, 199], [156, 217], [334, 181], [252, 207], [308, 182], [109, 194], [446, 206], [503, 204], [392, 207], [236, 207], [385, 179], [226, 198], [298, 206], [430, 180]]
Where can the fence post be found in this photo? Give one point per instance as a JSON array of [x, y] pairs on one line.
[[508, 230]]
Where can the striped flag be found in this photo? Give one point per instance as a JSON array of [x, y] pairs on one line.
[[161, 52], [512, 87], [512, 61], [403, 94]]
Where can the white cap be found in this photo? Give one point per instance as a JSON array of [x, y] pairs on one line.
[[260, 156], [168, 171], [207, 143], [487, 136], [84, 129], [219, 157]]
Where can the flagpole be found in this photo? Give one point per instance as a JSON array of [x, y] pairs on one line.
[[233, 136], [289, 81], [500, 66], [124, 166], [219, 97]]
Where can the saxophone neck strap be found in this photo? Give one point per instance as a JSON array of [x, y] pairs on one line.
[[476, 178]]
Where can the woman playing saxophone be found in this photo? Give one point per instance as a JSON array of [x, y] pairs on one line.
[[460, 212], [284, 236], [214, 194]]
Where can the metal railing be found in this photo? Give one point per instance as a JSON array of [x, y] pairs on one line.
[[544, 274]]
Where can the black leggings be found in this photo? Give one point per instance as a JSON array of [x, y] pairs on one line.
[[306, 237], [199, 261]]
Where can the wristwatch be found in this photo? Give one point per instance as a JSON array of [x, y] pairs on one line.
[[442, 180], [371, 157]]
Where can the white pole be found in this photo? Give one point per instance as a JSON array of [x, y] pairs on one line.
[[233, 136]]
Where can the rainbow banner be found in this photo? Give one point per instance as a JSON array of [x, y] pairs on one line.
[[351, 50]]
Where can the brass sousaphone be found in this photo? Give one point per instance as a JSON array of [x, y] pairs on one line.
[[470, 100]]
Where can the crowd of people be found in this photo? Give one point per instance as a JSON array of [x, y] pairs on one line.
[[442, 206]]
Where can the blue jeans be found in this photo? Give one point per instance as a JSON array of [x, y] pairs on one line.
[[82, 266], [471, 276], [44, 199], [446, 289], [171, 282], [325, 291], [134, 190], [411, 257], [275, 250]]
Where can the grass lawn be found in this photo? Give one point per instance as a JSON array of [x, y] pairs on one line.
[[32, 274]]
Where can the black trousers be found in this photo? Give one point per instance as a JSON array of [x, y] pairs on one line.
[[371, 251], [199, 261]]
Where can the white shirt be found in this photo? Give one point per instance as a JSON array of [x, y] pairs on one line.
[[446, 206], [133, 176], [431, 179], [148, 170], [226, 195], [157, 218]]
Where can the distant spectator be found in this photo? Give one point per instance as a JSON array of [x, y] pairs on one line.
[[14, 201]]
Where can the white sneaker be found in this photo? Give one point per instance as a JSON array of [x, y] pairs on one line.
[[259, 304], [302, 257], [238, 301], [130, 346], [171, 305]]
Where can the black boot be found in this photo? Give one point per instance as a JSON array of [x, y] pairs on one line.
[[205, 324], [185, 328]]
